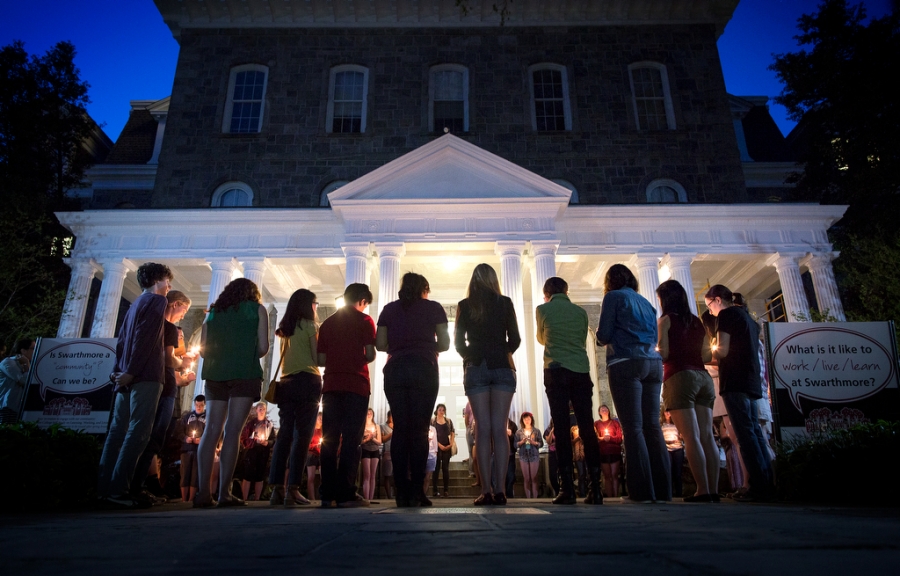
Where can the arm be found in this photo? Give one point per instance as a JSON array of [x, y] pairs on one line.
[[459, 336], [537, 437], [520, 438], [370, 352], [539, 319], [513, 339], [723, 340], [321, 358], [314, 343], [607, 319], [203, 339], [663, 325], [262, 332], [443, 337], [381, 339]]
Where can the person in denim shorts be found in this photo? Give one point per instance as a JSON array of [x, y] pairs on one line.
[[487, 334]]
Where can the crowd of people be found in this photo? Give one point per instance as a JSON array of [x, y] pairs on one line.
[[646, 360]]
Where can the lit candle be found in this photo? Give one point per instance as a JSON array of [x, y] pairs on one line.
[[606, 431], [195, 350]]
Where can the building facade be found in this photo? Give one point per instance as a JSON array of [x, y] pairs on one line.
[[315, 144]]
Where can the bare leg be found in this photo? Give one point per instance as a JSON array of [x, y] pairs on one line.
[[491, 410], [529, 470], [257, 490], [245, 489], [311, 482], [686, 422], [710, 448], [729, 431], [614, 471]]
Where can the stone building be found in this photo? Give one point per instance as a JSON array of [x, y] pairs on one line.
[[314, 144]]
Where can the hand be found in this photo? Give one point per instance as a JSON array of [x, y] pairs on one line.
[[196, 440], [191, 377], [508, 431], [124, 379], [264, 442], [188, 440]]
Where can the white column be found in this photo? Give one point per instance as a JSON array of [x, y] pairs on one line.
[[791, 285], [107, 310], [255, 270], [72, 321], [544, 253], [827, 296], [389, 255], [680, 267], [357, 255], [647, 277], [510, 253], [280, 309], [222, 272]]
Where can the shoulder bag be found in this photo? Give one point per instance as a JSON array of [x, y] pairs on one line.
[[271, 394]]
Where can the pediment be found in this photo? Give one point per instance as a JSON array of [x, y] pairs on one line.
[[449, 169]]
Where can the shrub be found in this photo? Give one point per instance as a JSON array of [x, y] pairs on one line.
[[47, 468], [852, 466]]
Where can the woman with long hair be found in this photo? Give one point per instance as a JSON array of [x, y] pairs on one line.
[[487, 334], [371, 454], [446, 435], [234, 337], [628, 330], [413, 331], [737, 352], [609, 432], [297, 396], [528, 440], [688, 391]]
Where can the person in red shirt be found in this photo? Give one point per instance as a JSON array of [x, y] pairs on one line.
[[345, 348], [609, 432]]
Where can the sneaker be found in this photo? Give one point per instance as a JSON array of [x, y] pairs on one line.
[[357, 502]]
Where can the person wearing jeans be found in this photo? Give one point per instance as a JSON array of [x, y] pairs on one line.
[[413, 331], [628, 330]]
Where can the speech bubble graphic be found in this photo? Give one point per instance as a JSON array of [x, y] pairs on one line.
[[76, 367], [830, 364]]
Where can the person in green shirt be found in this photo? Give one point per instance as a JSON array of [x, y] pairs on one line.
[[562, 328]]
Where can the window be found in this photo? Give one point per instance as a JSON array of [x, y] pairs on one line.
[[232, 195], [650, 96], [323, 198], [550, 98], [347, 93], [573, 199], [448, 93], [666, 191], [246, 99]]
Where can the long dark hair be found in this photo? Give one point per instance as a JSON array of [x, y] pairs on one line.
[[719, 291], [300, 307], [619, 276], [673, 300], [238, 290], [484, 287], [411, 288]]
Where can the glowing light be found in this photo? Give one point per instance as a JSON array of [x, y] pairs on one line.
[[451, 264], [339, 302]]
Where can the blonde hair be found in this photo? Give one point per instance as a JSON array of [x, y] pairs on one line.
[[483, 287]]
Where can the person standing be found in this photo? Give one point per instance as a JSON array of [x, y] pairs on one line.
[[487, 335], [628, 330], [528, 441], [193, 423], [562, 328], [469, 420], [234, 337], [737, 352], [298, 394], [509, 489], [312, 458], [345, 348], [609, 432], [138, 377], [446, 435], [13, 376], [387, 462], [256, 437], [372, 446], [413, 331]]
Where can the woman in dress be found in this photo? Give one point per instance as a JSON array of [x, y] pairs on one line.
[[412, 330], [371, 454], [628, 330], [688, 391], [298, 394], [446, 435], [487, 334], [257, 433], [234, 337], [609, 431], [529, 442]]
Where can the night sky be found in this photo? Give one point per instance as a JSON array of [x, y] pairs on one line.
[[125, 52]]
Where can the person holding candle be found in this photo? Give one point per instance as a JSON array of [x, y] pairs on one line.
[[609, 432], [298, 394], [256, 453], [233, 338], [737, 353], [528, 440], [371, 454], [413, 331], [628, 331], [675, 447], [562, 328], [193, 424], [312, 458], [487, 335], [688, 392]]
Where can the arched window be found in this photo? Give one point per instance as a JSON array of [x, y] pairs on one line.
[[232, 195], [246, 99], [448, 98], [650, 96], [573, 199], [549, 97], [665, 191], [348, 89], [323, 198]]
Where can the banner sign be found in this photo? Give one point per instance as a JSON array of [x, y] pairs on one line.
[[829, 376], [70, 383]]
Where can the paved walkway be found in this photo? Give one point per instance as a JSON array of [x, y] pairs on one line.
[[527, 538]]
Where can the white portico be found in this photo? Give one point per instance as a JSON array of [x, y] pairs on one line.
[[438, 211]]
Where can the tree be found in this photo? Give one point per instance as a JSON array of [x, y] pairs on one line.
[[840, 89], [43, 126]]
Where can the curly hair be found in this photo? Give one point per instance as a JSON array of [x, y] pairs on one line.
[[238, 290], [149, 273]]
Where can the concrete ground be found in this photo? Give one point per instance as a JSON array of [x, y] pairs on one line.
[[531, 538]]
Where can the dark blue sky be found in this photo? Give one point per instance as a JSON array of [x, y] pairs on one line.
[[125, 52]]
